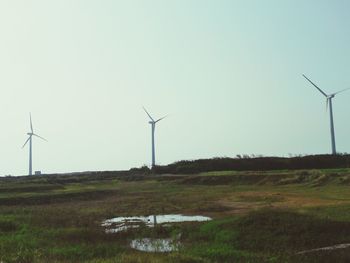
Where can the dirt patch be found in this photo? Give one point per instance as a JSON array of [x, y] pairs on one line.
[[265, 198], [223, 179], [239, 208], [213, 207], [244, 202]]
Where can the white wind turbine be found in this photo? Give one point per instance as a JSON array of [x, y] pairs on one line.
[[329, 104], [31, 134], [153, 124]]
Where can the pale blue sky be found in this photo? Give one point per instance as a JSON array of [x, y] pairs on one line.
[[227, 72]]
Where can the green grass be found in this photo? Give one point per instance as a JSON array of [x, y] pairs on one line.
[[258, 216]]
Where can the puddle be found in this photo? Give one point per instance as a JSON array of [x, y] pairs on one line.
[[340, 246], [155, 245], [119, 224]]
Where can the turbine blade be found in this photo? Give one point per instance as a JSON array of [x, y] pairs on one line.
[[340, 91], [26, 142], [327, 102], [315, 86], [31, 124], [148, 114], [39, 137], [161, 118]]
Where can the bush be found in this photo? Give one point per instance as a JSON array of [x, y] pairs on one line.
[[256, 164]]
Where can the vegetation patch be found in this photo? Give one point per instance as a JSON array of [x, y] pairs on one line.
[[8, 226], [259, 216]]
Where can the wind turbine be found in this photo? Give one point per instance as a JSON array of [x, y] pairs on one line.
[[31, 134], [329, 104], [153, 124]]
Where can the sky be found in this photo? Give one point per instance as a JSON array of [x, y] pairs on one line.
[[228, 73]]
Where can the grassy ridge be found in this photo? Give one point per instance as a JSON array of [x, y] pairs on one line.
[[258, 216], [247, 163]]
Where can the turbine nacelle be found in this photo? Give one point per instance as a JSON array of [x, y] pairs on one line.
[[152, 121]]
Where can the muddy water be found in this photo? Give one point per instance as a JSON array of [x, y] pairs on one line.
[[119, 224], [155, 244], [340, 246]]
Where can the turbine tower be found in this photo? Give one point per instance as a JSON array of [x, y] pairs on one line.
[[329, 104], [153, 125], [31, 134]]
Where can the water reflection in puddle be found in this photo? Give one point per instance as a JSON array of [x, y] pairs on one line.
[[119, 224], [339, 246], [155, 245]]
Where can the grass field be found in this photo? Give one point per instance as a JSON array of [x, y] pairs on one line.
[[257, 216]]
